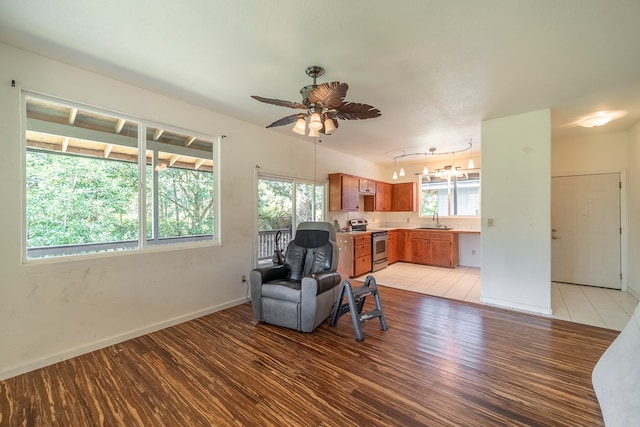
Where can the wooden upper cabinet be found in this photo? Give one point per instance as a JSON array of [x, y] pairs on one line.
[[383, 197], [343, 192], [403, 197], [366, 186]]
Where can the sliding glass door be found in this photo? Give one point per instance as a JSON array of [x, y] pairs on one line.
[[283, 203]]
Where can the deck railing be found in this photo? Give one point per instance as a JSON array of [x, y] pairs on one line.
[[267, 242]]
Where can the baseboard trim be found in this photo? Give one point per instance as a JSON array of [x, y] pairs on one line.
[[99, 344], [518, 307]]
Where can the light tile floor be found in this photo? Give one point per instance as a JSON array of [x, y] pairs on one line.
[[606, 308]]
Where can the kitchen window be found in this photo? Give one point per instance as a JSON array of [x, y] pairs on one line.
[[450, 193], [85, 177]]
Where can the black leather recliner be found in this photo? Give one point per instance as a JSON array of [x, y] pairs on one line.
[[301, 293]]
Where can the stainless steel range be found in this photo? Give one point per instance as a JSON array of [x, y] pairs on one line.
[[379, 250], [379, 259]]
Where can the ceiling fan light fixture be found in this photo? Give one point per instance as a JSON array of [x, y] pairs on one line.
[[301, 126], [315, 123], [329, 126], [314, 133]]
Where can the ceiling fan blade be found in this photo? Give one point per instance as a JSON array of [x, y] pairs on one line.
[[280, 102], [285, 120], [331, 95], [356, 111]]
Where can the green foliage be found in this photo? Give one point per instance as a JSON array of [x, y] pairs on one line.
[[429, 202], [74, 200], [185, 202], [275, 204]]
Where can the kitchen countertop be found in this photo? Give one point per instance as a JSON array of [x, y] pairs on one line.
[[451, 230], [371, 230]]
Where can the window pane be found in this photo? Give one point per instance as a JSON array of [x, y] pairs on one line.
[[78, 200], [319, 205], [450, 195], [275, 205], [180, 181], [185, 202]]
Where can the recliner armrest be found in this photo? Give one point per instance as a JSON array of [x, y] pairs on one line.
[[326, 280], [274, 272]]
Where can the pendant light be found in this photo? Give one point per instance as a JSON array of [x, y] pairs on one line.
[[425, 169], [315, 123], [401, 168], [470, 165], [395, 174], [300, 126], [329, 126]]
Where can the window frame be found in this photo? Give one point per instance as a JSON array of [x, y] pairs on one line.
[[142, 243]]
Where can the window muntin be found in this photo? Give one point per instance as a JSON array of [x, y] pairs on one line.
[[450, 194], [83, 182]]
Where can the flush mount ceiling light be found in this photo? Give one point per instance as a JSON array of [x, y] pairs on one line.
[[324, 104], [432, 152], [600, 118]]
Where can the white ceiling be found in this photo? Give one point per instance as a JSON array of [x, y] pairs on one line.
[[434, 68]]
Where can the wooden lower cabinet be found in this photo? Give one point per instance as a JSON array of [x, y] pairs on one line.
[[361, 254], [444, 249], [437, 248], [420, 248], [355, 254], [392, 246]]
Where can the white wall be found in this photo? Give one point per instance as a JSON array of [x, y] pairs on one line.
[[589, 154], [516, 194], [633, 217], [54, 310]]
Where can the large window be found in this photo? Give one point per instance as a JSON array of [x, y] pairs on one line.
[[85, 179], [450, 193]]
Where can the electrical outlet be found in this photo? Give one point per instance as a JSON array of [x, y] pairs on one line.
[[408, 219], [490, 222], [473, 251]]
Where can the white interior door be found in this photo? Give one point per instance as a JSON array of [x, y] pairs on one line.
[[585, 230]]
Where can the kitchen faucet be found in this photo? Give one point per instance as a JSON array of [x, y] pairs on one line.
[[436, 218]]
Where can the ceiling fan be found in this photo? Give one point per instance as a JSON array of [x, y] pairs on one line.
[[323, 104]]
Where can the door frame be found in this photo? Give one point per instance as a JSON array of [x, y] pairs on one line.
[[623, 216]]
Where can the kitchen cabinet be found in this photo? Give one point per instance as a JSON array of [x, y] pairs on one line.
[[343, 192], [355, 254], [403, 249], [366, 186], [392, 246], [383, 197], [444, 249], [420, 248], [361, 254], [403, 197], [438, 248]]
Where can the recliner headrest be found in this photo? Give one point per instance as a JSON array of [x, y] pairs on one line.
[[311, 238]]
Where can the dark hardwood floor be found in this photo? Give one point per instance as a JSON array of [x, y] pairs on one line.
[[442, 362]]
